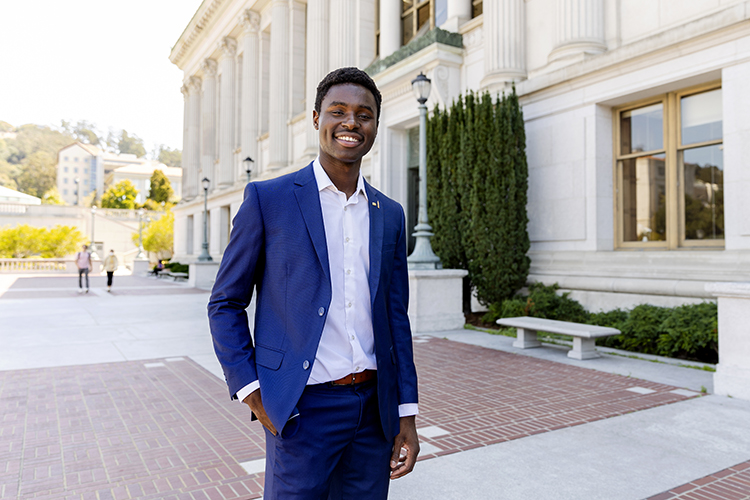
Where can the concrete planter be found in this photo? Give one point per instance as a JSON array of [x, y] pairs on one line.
[[435, 300]]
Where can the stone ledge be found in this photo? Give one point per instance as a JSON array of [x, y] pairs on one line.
[[436, 35], [732, 289]]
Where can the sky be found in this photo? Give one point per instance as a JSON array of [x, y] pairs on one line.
[[103, 61]]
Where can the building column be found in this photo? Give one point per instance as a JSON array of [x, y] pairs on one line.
[[226, 113], [579, 29], [317, 63], [390, 27], [250, 88], [344, 37], [278, 114], [194, 143], [208, 121], [504, 43], [185, 145], [459, 11]]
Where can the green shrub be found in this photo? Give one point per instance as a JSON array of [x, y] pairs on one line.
[[176, 267], [542, 302], [691, 332]]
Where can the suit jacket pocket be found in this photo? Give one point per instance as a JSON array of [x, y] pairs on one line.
[[268, 358]]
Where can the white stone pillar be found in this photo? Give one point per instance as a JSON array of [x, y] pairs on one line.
[[185, 145], [732, 377], [194, 128], [226, 114], [459, 11], [278, 114], [504, 43], [317, 63], [250, 88], [579, 29], [390, 27], [344, 36], [208, 121]]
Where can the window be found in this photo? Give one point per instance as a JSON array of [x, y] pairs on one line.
[[65, 180], [75, 170], [66, 158], [65, 169], [65, 192], [670, 171], [75, 159], [85, 170], [86, 160], [420, 16]]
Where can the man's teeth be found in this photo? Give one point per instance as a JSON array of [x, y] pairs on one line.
[[348, 139]]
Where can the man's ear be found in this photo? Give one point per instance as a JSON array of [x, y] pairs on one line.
[[315, 119]]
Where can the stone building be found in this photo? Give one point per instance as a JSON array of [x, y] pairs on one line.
[[634, 117]]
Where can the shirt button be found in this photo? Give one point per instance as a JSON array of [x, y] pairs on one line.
[[344, 209], [305, 365], [352, 337], [349, 305], [348, 271], [321, 311], [347, 240]]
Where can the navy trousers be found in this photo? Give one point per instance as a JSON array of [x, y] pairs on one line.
[[333, 450]]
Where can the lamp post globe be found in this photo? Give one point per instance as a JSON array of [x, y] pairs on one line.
[[205, 256], [248, 166], [422, 257], [140, 255]]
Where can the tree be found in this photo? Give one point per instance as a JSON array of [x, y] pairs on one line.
[[170, 157], [24, 241], [158, 235], [130, 145], [82, 131], [52, 197], [38, 174], [161, 188], [121, 195]]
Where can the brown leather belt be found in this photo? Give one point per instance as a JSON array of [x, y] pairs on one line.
[[356, 378]]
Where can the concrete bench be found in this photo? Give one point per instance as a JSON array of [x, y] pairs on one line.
[[584, 336], [178, 276]]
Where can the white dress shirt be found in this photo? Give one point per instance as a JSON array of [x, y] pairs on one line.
[[347, 344]]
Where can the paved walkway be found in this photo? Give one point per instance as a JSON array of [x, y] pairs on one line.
[[119, 396]]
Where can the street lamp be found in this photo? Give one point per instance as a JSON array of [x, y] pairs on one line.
[[93, 245], [140, 255], [422, 257], [77, 181], [248, 166], [205, 256]]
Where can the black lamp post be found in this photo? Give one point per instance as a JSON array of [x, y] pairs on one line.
[[93, 245], [248, 166], [422, 257], [77, 182], [140, 255], [205, 256]]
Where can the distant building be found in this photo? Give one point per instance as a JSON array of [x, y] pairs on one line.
[[83, 168], [15, 201], [140, 175]]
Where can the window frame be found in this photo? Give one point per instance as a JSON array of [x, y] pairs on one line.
[[672, 148], [414, 10]]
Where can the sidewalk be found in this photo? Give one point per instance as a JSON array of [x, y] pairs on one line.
[[120, 396]]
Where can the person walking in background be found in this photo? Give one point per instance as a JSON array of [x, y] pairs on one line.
[[83, 261], [110, 265]]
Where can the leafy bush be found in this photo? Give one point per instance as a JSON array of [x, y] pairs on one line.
[[691, 331], [686, 332], [176, 267], [23, 241]]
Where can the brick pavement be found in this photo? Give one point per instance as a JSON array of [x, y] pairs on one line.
[[729, 484], [166, 429]]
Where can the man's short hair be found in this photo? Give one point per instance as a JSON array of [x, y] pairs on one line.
[[347, 75]]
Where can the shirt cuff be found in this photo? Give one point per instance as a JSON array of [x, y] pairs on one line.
[[247, 390], [405, 410]]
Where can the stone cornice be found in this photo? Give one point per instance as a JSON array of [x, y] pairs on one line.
[[197, 24]]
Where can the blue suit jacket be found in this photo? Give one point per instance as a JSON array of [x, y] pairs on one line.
[[278, 247]]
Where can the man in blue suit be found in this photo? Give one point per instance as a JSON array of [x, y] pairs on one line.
[[329, 371]]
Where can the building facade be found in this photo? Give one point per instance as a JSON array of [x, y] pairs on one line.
[[83, 169], [633, 109]]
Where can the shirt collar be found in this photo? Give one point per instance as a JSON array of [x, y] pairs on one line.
[[323, 181]]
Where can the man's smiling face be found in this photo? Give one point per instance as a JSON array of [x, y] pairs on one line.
[[347, 124]]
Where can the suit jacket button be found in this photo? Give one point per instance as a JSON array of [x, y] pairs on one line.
[[321, 311], [305, 364]]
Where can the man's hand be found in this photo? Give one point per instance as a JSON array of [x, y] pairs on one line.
[[407, 438], [253, 400]]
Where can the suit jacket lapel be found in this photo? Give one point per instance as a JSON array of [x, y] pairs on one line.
[[376, 239], [308, 199]]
